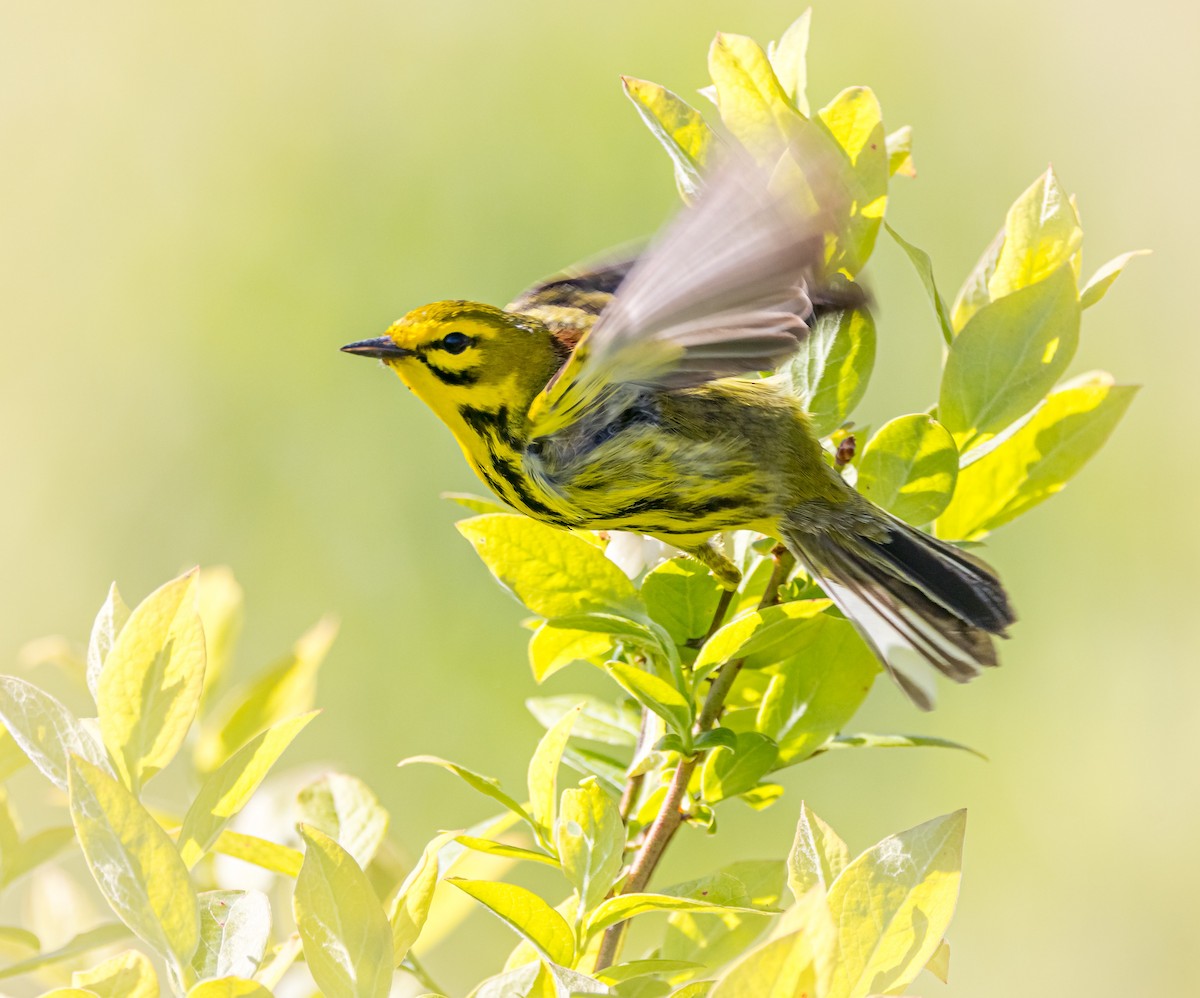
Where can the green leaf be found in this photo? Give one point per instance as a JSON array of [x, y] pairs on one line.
[[899, 152], [897, 741], [149, 690], [126, 975], [12, 758], [909, 467], [345, 809], [818, 856], [17, 942], [754, 883], [892, 906], [789, 59], [610, 772], [85, 942], [109, 621], [1039, 459], [634, 969], [1041, 234], [781, 967], [1099, 283], [221, 601], [680, 128], [598, 720], [409, 909], [855, 121], [477, 504], [542, 775], [973, 295], [830, 370], [939, 963], [347, 940], [554, 573], [259, 852], [69, 993], [39, 848], [134, 863], [45, 730], [924, 268], [227, 790], [481, 784], [682, 595], [554, 647], [623, 906], [506, 849], [229, 987], [590, 838], [655, 694], [1007, 357], [763, 637], [285, 690], [235, 927], [753, 104], [728, 772], [525, 913], [698, 989], [817, 690]]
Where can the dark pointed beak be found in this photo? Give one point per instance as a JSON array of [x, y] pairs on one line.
[[381, 348]]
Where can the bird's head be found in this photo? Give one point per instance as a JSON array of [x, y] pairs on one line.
[[456, 354]]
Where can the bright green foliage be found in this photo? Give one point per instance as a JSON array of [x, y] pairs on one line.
[[706, 696]]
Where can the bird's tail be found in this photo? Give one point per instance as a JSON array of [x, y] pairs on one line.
[[906, 593]]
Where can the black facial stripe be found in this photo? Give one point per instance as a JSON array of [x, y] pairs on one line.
[[457, 378]]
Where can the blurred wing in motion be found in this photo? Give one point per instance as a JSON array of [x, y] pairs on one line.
[[721, 291]]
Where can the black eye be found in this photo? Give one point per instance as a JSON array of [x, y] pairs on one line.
[[455, 342]]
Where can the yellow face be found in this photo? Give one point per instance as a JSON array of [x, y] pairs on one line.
[[460, 357]]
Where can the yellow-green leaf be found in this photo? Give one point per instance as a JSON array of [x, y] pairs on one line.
[[753, 104], [789, 59], [409, 909], [892, 905], [855, 121], [346, 937], [781, 968], [899, 152], [909, 467], [347, 810], [1007, 357], [12, 758], [1039, 459], [260, 852], [134, 862], [476, 781], [506, 849], [973, 295], [227, 790], [221, 612], [526, 914], [285, 690], [149, 688], [654, 693], [551, 571], [591, 842], [45, 730], [728, 772], [554, 647], [542, 775], [680, 128], [1099, 283], [109, 621], [229, 987], [830, 370], [1041, 234], [623, 906], [235, 927], [126, 975], [939, 963], [29, 854], [682, 595], [85, 942], [763, 637], [818, 855], [924, 268], [598, 720]]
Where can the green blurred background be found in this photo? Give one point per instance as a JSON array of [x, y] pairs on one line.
[[200, 203]]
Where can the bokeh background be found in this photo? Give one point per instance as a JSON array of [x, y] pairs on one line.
[[201, 202]]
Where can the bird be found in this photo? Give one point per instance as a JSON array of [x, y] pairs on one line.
[[642, 394]]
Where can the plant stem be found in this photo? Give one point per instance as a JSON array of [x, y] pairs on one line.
[[670, 817]]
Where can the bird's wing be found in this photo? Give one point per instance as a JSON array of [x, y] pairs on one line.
[[720, 292]]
